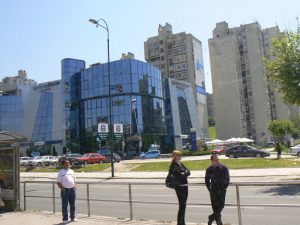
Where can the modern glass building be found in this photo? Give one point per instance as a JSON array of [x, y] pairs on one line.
[[182, 114], [136, 101], [33, 110]]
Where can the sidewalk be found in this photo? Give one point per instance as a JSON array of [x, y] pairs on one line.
[[195, 175], [46, 218]]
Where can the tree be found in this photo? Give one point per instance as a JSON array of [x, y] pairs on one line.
[[283, 67], [281, 128]]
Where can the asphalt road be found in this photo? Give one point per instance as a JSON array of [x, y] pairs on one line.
[[202, 157], [198, 202]]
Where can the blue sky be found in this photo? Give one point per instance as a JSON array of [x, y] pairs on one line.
[[37, 35]]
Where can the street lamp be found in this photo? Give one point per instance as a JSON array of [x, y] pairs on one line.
[[110, 137]]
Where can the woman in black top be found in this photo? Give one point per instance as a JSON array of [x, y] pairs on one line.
[[180, 173]]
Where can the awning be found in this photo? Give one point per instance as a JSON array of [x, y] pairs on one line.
[[7, 137], [215, 142]]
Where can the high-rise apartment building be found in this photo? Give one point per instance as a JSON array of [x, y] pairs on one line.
[[243, 102], [180, 56]]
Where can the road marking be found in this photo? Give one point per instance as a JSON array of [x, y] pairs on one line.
[[147, 195], [269, 196], [227, 207]]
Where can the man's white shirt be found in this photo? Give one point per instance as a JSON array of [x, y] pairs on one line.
[[67, 178]]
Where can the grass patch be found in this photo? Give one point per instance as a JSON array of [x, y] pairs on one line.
[[230, 163], [93, 167]]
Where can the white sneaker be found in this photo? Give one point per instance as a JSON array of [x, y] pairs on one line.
[[74, 220], [65, 221]]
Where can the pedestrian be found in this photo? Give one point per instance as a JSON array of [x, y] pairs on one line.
[[66, 181], [217, 180], [180, 174], [278, 150]]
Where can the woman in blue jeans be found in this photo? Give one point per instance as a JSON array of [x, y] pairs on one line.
[[180, 173], [66, 181]]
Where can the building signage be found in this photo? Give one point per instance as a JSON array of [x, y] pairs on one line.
[[103, 131], [39, 143], [118, 131]]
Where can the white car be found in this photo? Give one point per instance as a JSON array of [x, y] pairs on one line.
[[40, 161], [295, 150], [24, 160]]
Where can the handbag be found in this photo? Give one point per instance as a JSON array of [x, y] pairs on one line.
[[170, 181]]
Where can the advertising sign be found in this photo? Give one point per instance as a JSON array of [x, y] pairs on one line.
[[7, 174]]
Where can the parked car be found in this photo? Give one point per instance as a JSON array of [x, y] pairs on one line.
[[90, 158], [219, 151], [152, 154], [106, 153], [40, 161], [74, 159], [245, 151], [295, 150], [24, 160]]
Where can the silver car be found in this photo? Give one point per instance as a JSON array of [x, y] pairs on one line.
[[24, 160], [295, 150]]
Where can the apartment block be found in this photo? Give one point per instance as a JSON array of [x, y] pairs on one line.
[[180, 56], [243, 101]]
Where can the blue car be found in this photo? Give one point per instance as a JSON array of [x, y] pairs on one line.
[[151, 154]]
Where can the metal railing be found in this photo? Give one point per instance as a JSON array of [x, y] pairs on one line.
[[130, 201]]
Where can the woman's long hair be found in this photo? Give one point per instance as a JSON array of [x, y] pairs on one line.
[[175, 153]]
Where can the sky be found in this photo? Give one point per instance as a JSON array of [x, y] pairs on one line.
[[36, 35]]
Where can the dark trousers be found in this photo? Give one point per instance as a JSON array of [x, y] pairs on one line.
[[182, 195], [68, 196], [217, 198]]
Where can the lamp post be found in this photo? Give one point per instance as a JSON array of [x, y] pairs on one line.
[[110, 136]]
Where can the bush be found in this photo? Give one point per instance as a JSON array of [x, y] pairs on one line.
[[191, 153]]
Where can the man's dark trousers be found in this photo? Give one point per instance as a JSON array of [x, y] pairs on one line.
[[182, 195], [68, 196], [217, 198]]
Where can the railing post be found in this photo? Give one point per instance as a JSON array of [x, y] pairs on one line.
[[24, 191], [53, 197], [130, 202], [88, 198], [238, 203]]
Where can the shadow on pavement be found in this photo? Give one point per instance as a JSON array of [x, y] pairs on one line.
[[283, 190]]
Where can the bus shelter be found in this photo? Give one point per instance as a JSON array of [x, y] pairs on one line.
[[9, 170]]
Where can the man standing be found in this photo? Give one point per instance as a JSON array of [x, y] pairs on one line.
[[216, 179], [66, 181]]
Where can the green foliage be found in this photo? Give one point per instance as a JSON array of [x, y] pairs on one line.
[[212, 132], [280, 128], [211, 121], [283, 67], [191, 153]]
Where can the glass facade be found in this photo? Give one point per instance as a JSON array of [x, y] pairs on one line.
[[11, 113], [44, 119], [136, 98], [182, 114]]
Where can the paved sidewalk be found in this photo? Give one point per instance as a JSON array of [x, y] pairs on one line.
[[46, 218], [238, 173]]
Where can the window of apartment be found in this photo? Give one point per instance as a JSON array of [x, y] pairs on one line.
[[161, 42], [161, 50]]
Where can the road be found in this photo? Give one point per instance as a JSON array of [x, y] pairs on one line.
[[159, 194], [202, 157]]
